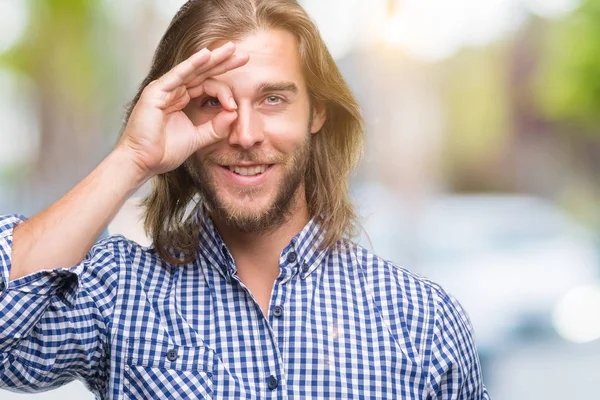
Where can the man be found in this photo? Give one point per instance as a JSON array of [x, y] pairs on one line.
[[250, 289]]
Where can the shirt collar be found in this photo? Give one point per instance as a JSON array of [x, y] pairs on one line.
[[305, 246], [212, 246]]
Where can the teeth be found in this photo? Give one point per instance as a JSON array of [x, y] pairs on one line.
[[248, 171]]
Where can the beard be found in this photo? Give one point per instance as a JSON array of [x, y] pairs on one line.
[[272, 215]]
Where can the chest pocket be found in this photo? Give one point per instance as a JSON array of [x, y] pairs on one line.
[[160, 370]]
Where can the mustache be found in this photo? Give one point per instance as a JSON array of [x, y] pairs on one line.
[[257, 157]]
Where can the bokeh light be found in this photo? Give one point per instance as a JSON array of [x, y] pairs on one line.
[[577, 316], [13, 22]]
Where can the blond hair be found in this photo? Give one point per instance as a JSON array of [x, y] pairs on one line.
[[335, 149]]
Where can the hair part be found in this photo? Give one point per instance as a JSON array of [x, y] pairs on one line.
[[336, 148]]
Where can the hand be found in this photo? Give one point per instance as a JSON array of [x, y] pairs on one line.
[[159, 136]]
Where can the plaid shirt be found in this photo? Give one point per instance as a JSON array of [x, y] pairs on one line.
[[342, 323]]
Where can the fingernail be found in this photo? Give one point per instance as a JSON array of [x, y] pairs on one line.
[[232, 103]]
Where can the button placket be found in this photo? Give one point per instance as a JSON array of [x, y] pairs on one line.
[[276, 321]]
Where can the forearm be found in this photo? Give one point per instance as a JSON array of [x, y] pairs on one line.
[[61, 235]]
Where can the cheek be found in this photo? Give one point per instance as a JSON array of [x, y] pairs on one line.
[[287, 138], [286, 132], [201, 154]]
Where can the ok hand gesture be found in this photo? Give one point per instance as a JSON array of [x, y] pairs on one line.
[[159, 136]]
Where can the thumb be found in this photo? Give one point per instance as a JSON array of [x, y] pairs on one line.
[[216, 129]]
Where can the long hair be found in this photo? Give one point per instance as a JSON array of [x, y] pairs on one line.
[[335, 149]]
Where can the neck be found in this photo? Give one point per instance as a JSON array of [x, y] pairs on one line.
[[258, 252]]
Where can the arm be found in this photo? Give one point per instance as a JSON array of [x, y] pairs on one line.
[[54, 326], [57, 295], [61, 235], [454, 368], [158, 138]]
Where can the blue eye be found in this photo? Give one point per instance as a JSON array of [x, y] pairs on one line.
[[273, 99], [212, 102]]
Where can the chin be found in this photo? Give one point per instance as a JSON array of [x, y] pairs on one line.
[[246, 207], [246, 200], [252, 214]]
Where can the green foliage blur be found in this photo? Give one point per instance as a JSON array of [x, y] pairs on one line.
[[523, 114], [568, 88], [61, 48], [65, 66]]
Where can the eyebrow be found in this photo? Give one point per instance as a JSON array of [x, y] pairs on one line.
[[277, 87]]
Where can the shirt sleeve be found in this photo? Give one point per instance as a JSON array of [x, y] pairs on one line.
[[454, 369], [55, 324]]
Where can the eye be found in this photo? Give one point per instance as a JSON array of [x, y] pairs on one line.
[[211, 102], [273, 100]]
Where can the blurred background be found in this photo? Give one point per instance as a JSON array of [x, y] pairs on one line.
[[482, 164]]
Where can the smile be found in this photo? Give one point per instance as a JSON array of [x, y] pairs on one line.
[[248, 171]]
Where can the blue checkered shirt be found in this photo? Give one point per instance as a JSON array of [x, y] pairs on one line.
[[342, 323]]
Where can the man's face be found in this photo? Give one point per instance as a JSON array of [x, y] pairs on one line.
[[254, 179]]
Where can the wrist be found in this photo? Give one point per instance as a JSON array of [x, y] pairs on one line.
[[127, 166]]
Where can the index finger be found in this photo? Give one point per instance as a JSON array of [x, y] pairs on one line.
[[234, 61], [195, 65], [183, 71]]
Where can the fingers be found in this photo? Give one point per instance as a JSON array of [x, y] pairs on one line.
[[234, 61], [216, 129], [197, 64], [183, 71], [217, 56], [215, 88]]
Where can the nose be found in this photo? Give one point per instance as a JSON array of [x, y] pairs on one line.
[[246, 130]]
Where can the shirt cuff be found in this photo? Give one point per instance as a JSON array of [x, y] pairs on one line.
[[61, 282]]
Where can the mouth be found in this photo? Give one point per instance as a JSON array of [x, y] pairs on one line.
[[251, 170]]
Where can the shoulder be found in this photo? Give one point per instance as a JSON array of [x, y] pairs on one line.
[[114, 266], [402, 295], [391, 277], [121, 247], [120, 252]]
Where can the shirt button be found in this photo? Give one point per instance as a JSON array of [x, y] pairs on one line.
[[305, 267], [277, 311], [172, 355], [273, 382], [2, 286], [292, 257]]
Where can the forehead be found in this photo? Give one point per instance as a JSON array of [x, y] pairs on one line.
[[274, 57]]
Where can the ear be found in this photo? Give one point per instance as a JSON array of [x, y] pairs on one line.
[[319, 117]]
